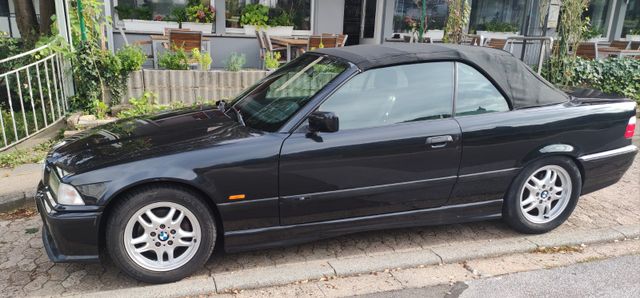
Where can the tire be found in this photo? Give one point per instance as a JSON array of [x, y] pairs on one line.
[[538, 206], [190, 241]]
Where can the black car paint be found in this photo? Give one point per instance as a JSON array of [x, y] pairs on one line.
[[315, 196]]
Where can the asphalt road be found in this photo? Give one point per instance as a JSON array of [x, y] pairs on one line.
[[616, 277]]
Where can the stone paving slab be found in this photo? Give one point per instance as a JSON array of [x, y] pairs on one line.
[[26, 271]]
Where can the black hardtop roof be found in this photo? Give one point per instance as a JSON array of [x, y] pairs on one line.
[[523, 87]]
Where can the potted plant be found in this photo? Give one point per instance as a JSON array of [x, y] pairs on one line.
[[634, 34], [501, 30], [272, 61], [280, 23], [254, 16], [592, 34], [141, 18], [200, 17]]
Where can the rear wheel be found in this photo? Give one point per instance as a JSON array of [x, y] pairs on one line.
[[160, 234], [543, 195]]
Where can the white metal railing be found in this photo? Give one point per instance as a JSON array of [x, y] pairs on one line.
[[35, 96], [540, 48]]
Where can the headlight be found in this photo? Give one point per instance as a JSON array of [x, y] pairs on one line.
[[68, 195]]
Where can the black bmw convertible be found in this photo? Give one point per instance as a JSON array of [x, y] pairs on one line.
[[335, 142]]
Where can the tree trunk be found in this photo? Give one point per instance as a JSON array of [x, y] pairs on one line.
[[27, 21], [47, 10]]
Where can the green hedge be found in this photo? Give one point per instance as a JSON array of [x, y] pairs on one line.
[[614, 75]]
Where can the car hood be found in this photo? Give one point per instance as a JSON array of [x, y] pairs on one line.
[[146, 137]]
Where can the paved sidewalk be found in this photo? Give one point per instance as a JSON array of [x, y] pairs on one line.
[[609, 214], [18, 186]]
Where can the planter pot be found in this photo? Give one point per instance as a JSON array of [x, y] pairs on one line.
[[499, 35], [597, 39], [435, 34], [280, 31], [143, 25], [273, 31], [633, 37], [204, 27]]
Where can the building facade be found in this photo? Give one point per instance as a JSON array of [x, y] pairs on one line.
[[365, 21]]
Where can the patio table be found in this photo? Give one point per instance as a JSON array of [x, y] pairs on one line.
[[157, 40], [289, 42], [610, 51]]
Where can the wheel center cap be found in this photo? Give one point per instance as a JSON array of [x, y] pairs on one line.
[[163, 236], [544, 194]]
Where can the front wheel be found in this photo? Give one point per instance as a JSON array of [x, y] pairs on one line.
[[160, 234], [543, 195]]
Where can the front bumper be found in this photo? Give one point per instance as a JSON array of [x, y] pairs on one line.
[[606, 168], [68, 236]]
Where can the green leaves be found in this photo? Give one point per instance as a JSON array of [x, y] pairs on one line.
[[132, 58], [236, 62], [615, 75], [255, 14]]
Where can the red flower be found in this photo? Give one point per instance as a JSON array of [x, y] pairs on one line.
[[158, 18]]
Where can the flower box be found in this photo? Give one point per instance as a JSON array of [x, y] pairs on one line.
[[498, 35], [151, 26], [272, 31], [633, 37], [435, 34], [204, 27]]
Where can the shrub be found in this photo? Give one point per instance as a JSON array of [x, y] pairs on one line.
[[615, 75], [203, 59], [236, 62], [272, 60], [175, 59], [255, 14], [495, 26], [132, 58]]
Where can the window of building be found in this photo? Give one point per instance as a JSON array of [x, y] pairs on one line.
[[631, 23], [597, 13], [396, 94], [296, 12], [407, 13], [476, 94], [500, 16], [158, 10], [4, 8]]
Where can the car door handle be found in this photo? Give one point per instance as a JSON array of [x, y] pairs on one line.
[[439, 141]]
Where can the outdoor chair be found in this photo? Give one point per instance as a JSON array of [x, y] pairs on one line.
[[187, 40], [473, 40], [341, 39], [497, 43], [271, 48], [262, 46], [620, 44], [327, 42], [587, 50]]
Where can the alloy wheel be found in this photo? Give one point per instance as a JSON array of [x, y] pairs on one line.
[[545, 194], [162, 236]]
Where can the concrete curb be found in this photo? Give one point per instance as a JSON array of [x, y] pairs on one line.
[[442, 254]]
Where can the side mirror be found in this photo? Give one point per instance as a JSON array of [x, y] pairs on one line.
[[323, 122]]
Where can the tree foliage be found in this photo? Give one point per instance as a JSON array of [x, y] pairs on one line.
[[457, 21]]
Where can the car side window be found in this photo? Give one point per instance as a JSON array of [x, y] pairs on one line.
[[476, 94], [395, 94]]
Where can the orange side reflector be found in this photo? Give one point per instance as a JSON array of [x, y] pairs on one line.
[[236, 197]]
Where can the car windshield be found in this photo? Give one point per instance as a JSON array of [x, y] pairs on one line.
[[268, 105]]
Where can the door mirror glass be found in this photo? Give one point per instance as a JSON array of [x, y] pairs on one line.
[[323, 122]]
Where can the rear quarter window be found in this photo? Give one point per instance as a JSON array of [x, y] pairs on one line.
[[476, 94]]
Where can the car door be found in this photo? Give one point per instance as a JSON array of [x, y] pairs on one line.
[[490, 141], [397, 148]]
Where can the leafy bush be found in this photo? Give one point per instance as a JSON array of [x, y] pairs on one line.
[[201, 13], [236, 62], [176, 59], [204, 60], [272, 60], [132, 58], [126, 12], [615, 75], [99, 109], [495, 26], [279, 17], [255, 14]]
